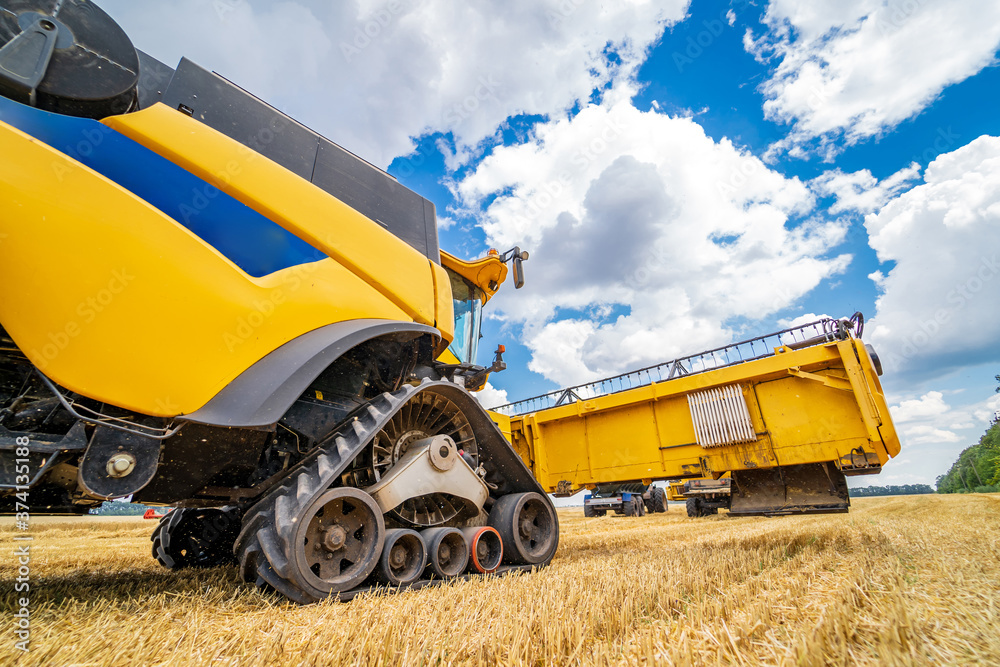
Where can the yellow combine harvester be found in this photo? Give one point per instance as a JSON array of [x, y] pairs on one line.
[[786, 416], [208, 305]]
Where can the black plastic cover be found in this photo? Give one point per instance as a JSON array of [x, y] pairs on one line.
[[94, 67]]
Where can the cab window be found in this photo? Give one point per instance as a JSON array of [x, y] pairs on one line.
[[468, 318]]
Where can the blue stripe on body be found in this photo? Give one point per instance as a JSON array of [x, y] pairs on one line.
[[254, 243]]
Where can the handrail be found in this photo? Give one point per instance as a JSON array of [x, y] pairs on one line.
[[814, 333]]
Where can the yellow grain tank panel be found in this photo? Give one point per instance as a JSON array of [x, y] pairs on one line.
[[113, 299], [386, 263]]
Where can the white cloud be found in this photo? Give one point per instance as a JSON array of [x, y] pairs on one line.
[[988, 411], [491, 397], [931, 425], [861, 192], [927, 434], [791, 323], [647, 237], [852, 69], [372, 74], [929, 405], [937, 307]]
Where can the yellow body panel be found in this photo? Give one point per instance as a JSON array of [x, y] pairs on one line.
[[448, 357], [386, 263], [813, 405], [113, 299], [675, 492]]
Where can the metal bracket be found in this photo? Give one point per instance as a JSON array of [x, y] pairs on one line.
[[99, 419], [831, 382], [25, 59], [431, 466], [567, 397]]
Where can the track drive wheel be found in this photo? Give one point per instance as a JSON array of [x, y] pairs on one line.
[[196, 538], [528, 527], [309, 552]]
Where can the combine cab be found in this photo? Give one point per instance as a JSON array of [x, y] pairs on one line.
[[208, 305]]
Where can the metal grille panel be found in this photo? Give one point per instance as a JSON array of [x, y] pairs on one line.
[[721, 416]]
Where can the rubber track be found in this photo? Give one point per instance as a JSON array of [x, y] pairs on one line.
[[269, 526]]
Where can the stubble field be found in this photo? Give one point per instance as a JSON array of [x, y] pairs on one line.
[[898, 581]]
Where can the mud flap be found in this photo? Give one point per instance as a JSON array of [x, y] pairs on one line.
[[814, 488]]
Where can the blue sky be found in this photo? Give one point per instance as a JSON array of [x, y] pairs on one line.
[[685, 174]]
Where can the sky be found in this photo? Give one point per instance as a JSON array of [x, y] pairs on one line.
[[684, 173]]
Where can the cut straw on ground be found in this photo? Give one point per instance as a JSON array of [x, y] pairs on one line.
[[898, 581]]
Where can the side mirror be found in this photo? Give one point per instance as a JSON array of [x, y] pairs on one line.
[[518, 272], [519, 257]]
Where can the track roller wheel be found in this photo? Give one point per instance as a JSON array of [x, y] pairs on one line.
[[404, 557], [528, 527], [447, 551], [196, 538], [485, 549]]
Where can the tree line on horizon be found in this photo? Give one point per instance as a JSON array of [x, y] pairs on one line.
[[977, 469], [892, 490]]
